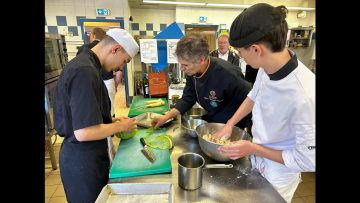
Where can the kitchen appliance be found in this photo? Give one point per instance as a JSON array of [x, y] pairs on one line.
[[56, 56], [55, 60]]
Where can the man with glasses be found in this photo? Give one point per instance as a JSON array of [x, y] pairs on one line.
[[224, 52], [82, 115]]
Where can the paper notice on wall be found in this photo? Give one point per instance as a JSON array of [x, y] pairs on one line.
[[171, 47], [148, 50]]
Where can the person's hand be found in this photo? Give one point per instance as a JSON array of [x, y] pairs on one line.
[[118, 118], [225, 132], [126, 124], [237, 149], [158, 121]]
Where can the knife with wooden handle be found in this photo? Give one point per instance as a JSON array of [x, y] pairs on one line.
[[147, 151]]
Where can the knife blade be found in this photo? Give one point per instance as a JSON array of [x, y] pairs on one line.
[[147, 151]]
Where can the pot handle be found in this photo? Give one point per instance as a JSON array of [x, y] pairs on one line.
[[218, 166]]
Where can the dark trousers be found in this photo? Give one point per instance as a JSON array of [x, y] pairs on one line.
[[84, 170]]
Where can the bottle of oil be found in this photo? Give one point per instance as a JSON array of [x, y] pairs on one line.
[[146, 85]]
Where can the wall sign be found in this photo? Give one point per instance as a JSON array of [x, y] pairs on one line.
[[202, 19], [102, 11]]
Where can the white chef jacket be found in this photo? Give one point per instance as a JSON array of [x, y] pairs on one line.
[[284, 119], [110, 85], [242, 65]]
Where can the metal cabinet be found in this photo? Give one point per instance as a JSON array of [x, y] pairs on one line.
[[55, 60]]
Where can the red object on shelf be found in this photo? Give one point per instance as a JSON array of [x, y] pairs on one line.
[[158, 84]]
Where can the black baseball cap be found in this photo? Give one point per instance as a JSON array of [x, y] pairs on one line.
[[252, 24]]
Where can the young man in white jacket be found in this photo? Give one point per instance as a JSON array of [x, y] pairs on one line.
[[282, 101]]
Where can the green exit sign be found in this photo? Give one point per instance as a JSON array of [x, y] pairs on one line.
[[102, 11], [202, 19]]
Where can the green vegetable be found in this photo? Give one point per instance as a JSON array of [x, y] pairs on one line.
[[161, 141], [175, 128], [126, 135]]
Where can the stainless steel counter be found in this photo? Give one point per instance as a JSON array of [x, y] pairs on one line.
[[238, 184]]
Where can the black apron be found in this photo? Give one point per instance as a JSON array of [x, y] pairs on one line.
[[84, 164]]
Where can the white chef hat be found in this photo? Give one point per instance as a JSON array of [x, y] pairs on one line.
[[125, 39]]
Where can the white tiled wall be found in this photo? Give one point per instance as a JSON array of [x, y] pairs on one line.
[[156, 17], [153, 16], [190, 15], [73, 8]]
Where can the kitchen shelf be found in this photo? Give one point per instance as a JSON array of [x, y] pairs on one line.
[[300, 35]]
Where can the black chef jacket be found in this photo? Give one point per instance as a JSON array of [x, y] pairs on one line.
[[220, 91], [86, 47], [81, 100]]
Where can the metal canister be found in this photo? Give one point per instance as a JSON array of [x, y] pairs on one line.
[[190, 171], [190, 166], [174, 98]]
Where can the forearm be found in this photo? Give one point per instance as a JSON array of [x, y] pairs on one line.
[[96, 132], [272, 154], [173, 113], [244, 109]]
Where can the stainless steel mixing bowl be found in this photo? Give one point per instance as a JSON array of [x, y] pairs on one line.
[[210, 148], [194, 112], [188, 126]]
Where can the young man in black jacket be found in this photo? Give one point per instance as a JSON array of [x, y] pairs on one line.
[[82, 116], [97, 34]]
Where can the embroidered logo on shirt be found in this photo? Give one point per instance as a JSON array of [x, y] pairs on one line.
[[212, 95], [213, 99], [213, 103]]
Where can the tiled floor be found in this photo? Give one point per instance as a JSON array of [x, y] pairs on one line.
[[54, 191], [305, 193]]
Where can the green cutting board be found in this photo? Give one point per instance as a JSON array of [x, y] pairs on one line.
[[130, 161], [137, 107]]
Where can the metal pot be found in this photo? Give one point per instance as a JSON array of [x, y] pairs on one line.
[[190, 166]]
